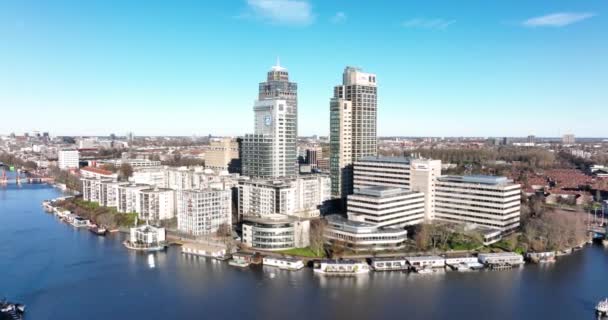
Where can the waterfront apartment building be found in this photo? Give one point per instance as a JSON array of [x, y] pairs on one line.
[[156, 204], [68, 159], [202, 212], [222, 155], [386, 206], [90, 189], [413, 174], [127, 197], [488, 201], [362, 236], [353, 122], [271, 152], [275, 232], [302, 197]]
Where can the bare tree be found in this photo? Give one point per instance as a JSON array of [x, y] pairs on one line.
[[317, 241]]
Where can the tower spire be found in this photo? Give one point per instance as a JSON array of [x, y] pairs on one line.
[[278, 61]]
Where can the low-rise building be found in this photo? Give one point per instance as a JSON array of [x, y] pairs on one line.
[[362, 236], [275, 232], [386, 206], [426, 262]]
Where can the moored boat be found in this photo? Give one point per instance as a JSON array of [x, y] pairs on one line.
[[341, 267], [98, 230], [285, 263], [602, 307], [14, 311]]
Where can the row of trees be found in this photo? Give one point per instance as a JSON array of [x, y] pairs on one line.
[[533, 157], [547, 229], [11, 160]]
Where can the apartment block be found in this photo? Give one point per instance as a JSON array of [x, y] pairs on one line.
[[202, 212]]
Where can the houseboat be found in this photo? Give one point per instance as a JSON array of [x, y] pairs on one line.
[[218, 252], [341, 267], [98, 230], [146, 238], [78, 222], [285, 263], [241, 259], [541, 257], [463, 263], [389, 264], [425, 262], [501, 260]]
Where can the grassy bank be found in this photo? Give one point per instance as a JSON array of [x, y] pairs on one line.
[[108, 217]]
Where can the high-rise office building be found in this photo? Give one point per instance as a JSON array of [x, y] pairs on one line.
[[353, 122], [270, 152]]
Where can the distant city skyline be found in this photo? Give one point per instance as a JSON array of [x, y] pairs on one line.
[[444, 70]]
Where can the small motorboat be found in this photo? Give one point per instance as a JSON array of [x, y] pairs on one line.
[[99, 230], [425, 271], [602, 307], [14, 311]]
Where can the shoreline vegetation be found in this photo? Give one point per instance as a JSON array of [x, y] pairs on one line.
[[105, 216], [544, 229]]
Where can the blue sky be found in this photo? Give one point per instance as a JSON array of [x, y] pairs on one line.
[[444, 68]]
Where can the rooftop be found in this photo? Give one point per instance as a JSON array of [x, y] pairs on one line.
[[381, 191], [478, 179]]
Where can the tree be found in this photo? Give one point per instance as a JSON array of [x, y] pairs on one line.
[[125, 171], [317, 241], [224, 230], [422, 237]]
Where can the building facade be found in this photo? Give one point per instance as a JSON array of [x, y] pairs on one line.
[[362, 236], [68, 159], [276, 232], [488, 201], [413, 174], [271, 152], [353, 121], [203, 212], [301, 197], [156, 204], [223, 155], [386, 206]]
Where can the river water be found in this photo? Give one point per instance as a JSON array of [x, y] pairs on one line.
[[64, 273]]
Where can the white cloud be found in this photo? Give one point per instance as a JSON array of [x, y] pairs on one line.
[[431, 24], [339, 17], [285, 12], [559, 19]]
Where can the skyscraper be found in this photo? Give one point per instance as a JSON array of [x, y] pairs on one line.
[[270, 152], [353, 122]]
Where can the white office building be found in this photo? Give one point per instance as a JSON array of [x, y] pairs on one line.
[[68, 159], [156, 204], [202, 212], [413, 174], [488, 201], [386, 206]]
